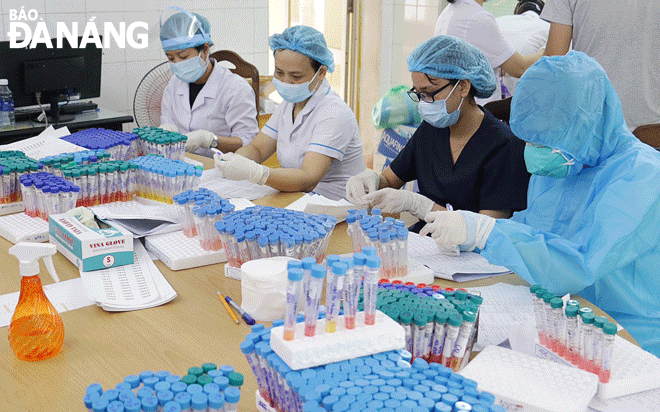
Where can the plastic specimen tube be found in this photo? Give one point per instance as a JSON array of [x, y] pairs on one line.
[[352, 287], [406, 319], [333, 292], [307, 263], [453, 326], [292, 295], [439, 329], [548, 323], [313, 298], [599, 321], [420, 323], [402, 252], [371, 289], [609, 334], [587, 338], [572, 335], [464, 334], [558, 326]]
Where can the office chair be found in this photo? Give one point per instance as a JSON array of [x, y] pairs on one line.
[[500, 109], [649, 134], [243, 69]]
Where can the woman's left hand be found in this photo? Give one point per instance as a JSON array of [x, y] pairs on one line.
[[236, 167], [391, 200]]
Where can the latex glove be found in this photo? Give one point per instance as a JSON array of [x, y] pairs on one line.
[[469, 230], [361, 184], [84, 216], [169, 127], [236, 167], [391, 200], [199, 138]]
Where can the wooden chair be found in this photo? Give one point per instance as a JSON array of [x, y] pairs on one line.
[[243, 69], [649, 134], [500, 109]]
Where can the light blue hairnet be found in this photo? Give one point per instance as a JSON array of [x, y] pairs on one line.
[[304, 40], [448, 57], [595, 232], [183, 30]]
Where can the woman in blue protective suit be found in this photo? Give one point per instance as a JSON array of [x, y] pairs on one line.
[[593, 207]]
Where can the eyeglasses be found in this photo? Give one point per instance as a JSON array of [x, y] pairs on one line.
[[416, 96]]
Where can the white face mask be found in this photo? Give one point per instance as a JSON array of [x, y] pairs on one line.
[[435, 113], [190, 70], [295, 93]]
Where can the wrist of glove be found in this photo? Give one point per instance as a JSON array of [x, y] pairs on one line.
[[169, 127], [469, 230], [391, 200], [236, 167], [199, 138], [360, 185]]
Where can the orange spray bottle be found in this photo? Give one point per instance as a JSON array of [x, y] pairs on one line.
[[36, 331]]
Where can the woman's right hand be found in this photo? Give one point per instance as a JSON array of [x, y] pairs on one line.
[[359, 185]]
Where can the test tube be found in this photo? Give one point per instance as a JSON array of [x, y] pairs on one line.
[[464, 334], [406, 320], [537, 292], [384, 251], [599, 321], [609, 334], [572, 335], [373, 264], [454, 323], [558, 326], [548, 323], [438, 341], [352, 231], [402, 252], [419, 326], [313, 298], [307, 263], [264, 250], [292, 296], [243, 249], [587, 340], [333, 292], [352, 287]]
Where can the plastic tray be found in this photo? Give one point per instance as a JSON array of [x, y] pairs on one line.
[[20, 227], [9, 208], [179, 252], [306, 352], [262, 405]]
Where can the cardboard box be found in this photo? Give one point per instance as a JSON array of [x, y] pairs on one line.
[[91, 249]]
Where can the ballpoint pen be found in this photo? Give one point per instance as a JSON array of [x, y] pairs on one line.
[[246, 317], [231, 312]]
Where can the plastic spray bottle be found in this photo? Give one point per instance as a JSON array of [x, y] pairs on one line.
[[36, 331]]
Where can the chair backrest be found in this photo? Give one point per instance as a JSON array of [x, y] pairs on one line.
[[649, 134], [243, 69], [500, 109]]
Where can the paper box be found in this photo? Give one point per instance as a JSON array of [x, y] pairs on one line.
[[91, 249]]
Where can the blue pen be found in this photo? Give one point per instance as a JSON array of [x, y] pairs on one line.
[[246, 317]]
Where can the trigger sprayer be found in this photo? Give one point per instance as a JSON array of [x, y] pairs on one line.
[[36, 330]]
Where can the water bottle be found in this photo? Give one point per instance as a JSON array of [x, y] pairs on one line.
[[7, 118]]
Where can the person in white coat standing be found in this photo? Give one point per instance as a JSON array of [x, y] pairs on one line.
[[205, 101]]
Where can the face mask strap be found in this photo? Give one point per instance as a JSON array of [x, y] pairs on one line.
[[569, 162]]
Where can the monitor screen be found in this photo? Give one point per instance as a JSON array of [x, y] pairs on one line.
[[66, 70]]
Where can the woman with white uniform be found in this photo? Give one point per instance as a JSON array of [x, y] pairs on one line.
[[209, 104], [314, 132]]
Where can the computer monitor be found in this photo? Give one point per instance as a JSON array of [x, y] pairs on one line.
[[58, 74]]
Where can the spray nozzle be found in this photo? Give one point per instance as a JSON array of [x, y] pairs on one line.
[[29, 253]]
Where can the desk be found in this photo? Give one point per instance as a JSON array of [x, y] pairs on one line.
[[104, 347], [101, 118]]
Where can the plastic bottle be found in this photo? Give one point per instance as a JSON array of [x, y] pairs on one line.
[[7, 118], [36, 331]]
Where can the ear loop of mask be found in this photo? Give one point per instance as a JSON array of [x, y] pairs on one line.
[[569, 162]]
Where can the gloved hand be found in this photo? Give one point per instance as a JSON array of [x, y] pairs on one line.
[[391, 200], [469, 230], [361, 184], [236, 167], [84, 216], [197, 139], [169, 127]]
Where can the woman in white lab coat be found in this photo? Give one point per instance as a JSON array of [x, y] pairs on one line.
[[209, 104], [314, 132]]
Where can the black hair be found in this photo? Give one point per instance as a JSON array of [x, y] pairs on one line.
[[526, 5], [471, 93], [451, 1], [316, 65]]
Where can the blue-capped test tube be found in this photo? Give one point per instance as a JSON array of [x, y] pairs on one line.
[[333, 292], [352, 285], [313, 298], [402, 252], [292, 297], [373, 264], [264, 249], [307, 263], [385, 253]]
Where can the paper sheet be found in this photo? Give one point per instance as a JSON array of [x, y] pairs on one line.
[[48, 143], [318, 204], [212, 180], [138, 218], [65, 295], [467, 266], [643, 401], [240, 203]]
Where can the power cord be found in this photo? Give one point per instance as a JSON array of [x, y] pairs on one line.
[[42, 117]]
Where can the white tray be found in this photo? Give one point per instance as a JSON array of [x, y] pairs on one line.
[[179, 252], [262, 405], [9, 208], [20, 227]]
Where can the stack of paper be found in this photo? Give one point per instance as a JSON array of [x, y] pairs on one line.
[[318, 204], [138, 218], [227, 189], [467, 266], [129, 287]]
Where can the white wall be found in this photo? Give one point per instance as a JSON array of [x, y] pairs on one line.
[[238, 25]]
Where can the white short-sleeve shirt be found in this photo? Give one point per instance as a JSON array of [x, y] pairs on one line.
[[225, 106], [467, 20], [325, 125]]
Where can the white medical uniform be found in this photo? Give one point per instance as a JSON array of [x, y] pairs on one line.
[[467, 20], [225, 106], [325, 125]]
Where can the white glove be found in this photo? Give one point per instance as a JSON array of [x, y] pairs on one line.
[[84, 216], [361, 184], [236, 167], [469, 230], [197, 139], [169, 127], [391, 200]]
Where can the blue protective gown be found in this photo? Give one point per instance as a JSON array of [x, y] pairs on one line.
[[597, 231]]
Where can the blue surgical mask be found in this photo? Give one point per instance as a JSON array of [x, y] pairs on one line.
[[435, 113], [546, 161], [295, 93], [189, 70]]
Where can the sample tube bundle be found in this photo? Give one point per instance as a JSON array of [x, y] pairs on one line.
[[383, 381], [262, 232], [102, 182], [55, 164], [45, 194], [153, 140], [160, 178], [206, 388], [199, 211], [440, 324], [389, 236], [574, 333], [13, 164], [120, 145]]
